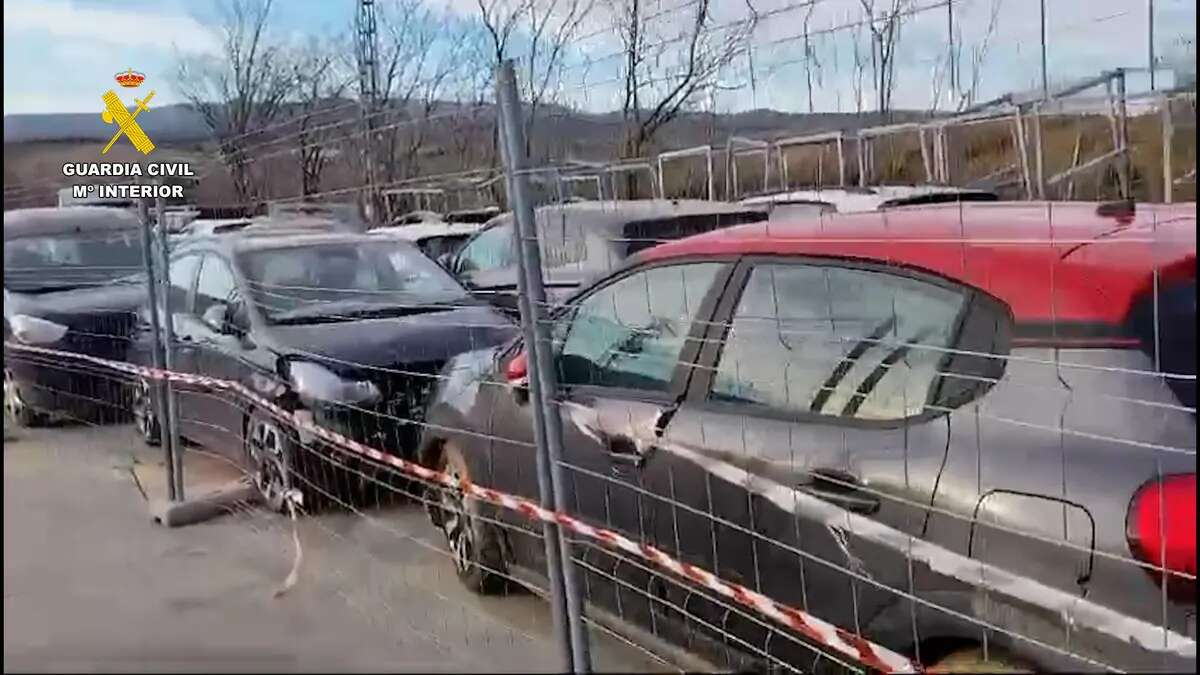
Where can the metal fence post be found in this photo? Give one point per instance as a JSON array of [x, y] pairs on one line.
[[566, 599], [1168, 137], [169, 428], [161, 392], [1126, 161]]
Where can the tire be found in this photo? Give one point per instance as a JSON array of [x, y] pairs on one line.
[[971, 660], [474, 545], [15, 407], [272, 456], [145, 418]]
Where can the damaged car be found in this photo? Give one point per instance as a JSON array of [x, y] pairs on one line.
[[957, 432], [348, 332], [73, 282]]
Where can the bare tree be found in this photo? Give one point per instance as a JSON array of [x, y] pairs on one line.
[[536, 33], [319, 79], [240, 90], [884, 27], [860, 66], [470, 128], [811, 63], [663, 74], [966, 96]]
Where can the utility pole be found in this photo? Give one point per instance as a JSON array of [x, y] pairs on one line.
[[953, 60], [1045, 75], [368, 82], [1150, 40]]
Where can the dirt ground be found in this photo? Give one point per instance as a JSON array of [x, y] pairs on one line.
[[92, 584]]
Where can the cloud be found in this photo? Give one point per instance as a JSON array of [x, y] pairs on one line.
[[124, 27]]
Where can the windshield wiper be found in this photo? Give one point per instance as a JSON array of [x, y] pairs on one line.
[[331, 312], [396, 310]]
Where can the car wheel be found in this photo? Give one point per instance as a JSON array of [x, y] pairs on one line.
[[145, 419], [972, 660], [272, 455], [15, 407], [474, 545]]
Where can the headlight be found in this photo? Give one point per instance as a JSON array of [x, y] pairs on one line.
[[317, 383], [34, 331]]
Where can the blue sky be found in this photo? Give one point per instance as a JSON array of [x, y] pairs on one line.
[[60, 55]]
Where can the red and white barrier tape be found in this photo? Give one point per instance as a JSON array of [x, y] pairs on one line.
[[873, 656]]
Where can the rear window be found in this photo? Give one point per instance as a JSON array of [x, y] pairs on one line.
[[1175, 337], [643, 234]]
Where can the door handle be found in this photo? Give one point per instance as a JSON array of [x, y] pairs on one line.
[[850, 501], [841, 490]]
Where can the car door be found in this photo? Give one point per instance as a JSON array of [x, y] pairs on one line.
[[217, 354], [809, 410], [621, 355]]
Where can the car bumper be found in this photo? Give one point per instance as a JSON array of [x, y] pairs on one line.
[[67, 386]]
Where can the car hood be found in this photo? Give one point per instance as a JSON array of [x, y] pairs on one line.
[[63, 306], [418, 338]]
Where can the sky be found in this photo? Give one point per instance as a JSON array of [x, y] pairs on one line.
[[61, 55]]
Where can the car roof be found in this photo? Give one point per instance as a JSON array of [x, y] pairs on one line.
[[856, 199], [209, 226], [417, 231], [268, 239], [612, 214], [1051, 262], [56, 220]]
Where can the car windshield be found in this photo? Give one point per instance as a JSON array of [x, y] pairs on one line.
[[43, 264], [325, 282]]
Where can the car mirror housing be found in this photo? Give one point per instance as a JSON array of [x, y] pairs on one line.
[[226, 319]]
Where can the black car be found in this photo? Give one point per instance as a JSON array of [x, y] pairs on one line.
[[73, 283], [349, 329], [936, 428], [584, 240]]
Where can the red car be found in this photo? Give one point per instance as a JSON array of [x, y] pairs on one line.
[[965, 431]]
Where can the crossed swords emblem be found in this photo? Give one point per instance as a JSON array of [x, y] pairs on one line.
[[115, 112]]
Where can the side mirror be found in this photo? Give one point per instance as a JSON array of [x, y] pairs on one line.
[[446, 260], [225, 319]]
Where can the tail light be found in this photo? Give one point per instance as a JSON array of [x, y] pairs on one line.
[[1161, 528], [517, 369]]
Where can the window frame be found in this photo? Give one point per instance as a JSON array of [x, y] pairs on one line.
[[701, 324], [190, 293], [714, 340], [457, 268], [246, 303]]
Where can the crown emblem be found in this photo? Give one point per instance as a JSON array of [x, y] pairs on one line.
[[130, 78]]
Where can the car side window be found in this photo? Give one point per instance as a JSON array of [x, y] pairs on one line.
[[216, 286], [491, 249], [629, 334], [183, 277], [837, 341]]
